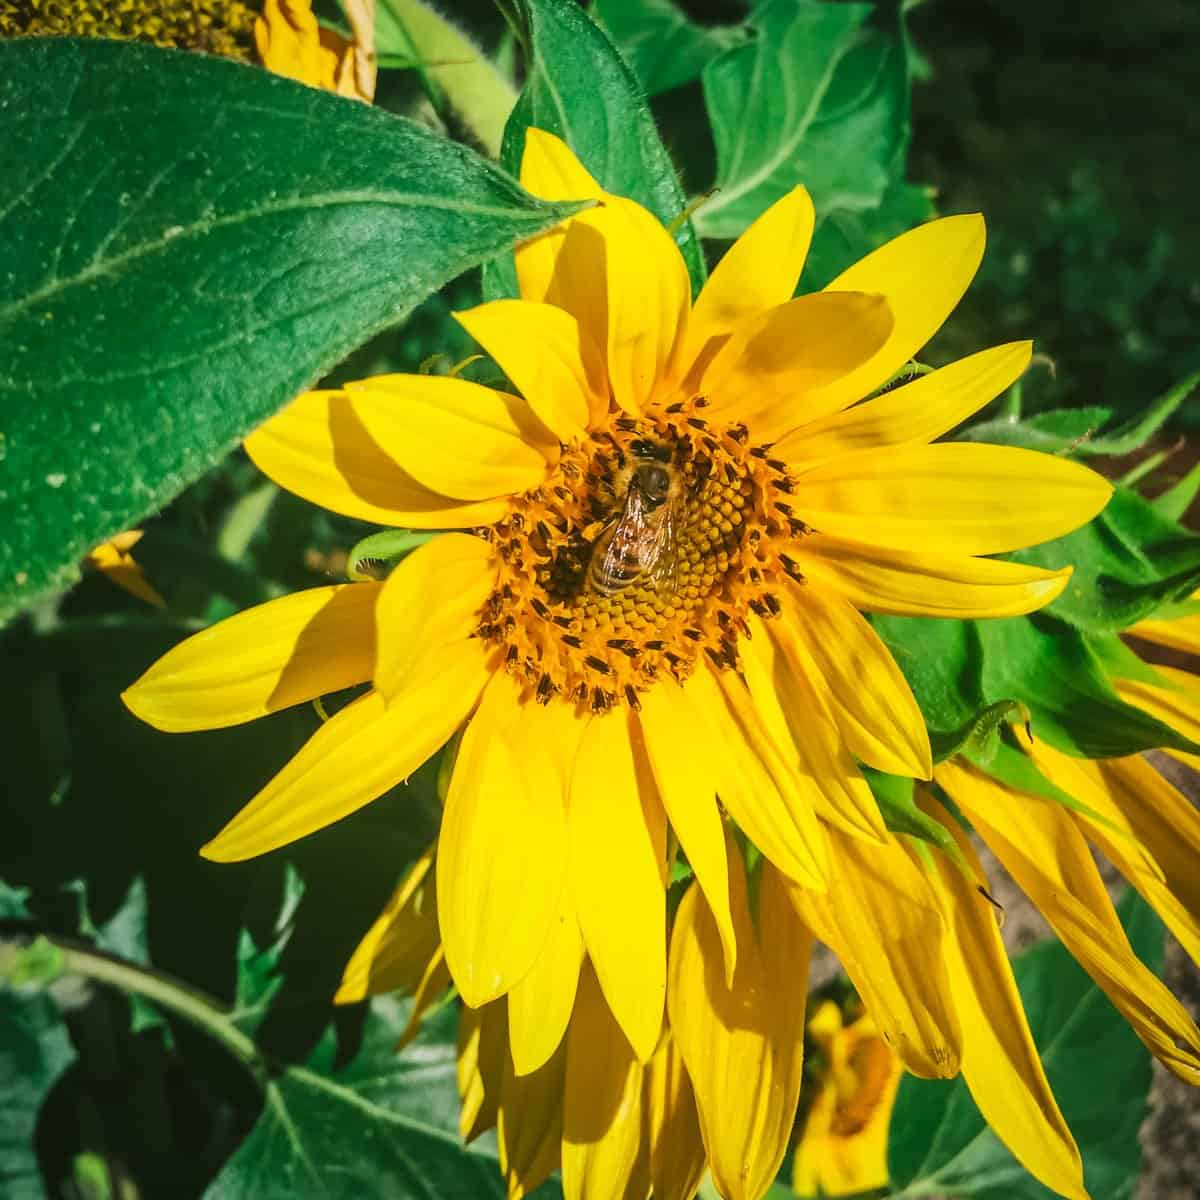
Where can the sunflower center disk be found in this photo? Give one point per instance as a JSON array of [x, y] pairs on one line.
[[648, 546]]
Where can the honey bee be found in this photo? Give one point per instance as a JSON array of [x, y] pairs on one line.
[[640, 545]]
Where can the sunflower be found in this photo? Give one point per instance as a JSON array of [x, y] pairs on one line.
[[291, 42], [668, 536]]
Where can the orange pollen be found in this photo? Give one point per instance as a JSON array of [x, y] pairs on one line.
[[649, 545]]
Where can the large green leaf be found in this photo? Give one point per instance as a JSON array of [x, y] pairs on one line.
[[818, 98], [1129, 561], [938, 1143], [381, 1126], [578, 87], [663, 46], [185, 243]]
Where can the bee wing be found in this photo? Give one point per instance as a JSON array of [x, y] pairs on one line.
[[626, 540], [660, 562]]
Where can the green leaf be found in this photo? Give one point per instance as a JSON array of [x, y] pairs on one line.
[[1177, 499], [1129, 562], [938, 1143], [817, 98], [185, 244], [382, 1125], [663, 46], [578, 87], [34, 1051]]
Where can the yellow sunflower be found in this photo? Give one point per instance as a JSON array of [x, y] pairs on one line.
[[291, 42], [671, 532]]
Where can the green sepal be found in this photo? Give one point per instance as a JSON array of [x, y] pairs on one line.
[[33, 966], [1119, 662], [1177, 499], [894, 795], [388, 546], [979, 736]]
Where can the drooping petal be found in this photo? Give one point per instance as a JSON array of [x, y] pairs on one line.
[[1158, 843], [1183, 633], [768, 371], [759, 271], [913, 413], [319, 449], [539, 1007], [624, 927], [950, 498], [356, 756], [882, 921], [756, 783], [502, 850], [1000, 1061], [797, 718], [677, 1160], [681, 761], [262, 660], [828, 641], [923, 274], [545, 353], [453, 436], [742, 1042], [530, 1122], [604, 1152], [1177, 703], [1041, 848], [429, 601], [912, 583], [395, 952], [482, 1054]]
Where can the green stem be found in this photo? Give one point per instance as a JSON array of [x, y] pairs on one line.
[[175, 996]]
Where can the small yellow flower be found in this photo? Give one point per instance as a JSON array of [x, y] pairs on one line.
[[842, 1147], [291, 42], [671, 534], [115, 559]]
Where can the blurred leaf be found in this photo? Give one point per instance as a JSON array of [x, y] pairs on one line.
[[456, 72], [578, 87], [661, 43], [383, 1125], [1129, 561], [188, 243], [34, 1051], [817, 98], [938, 1143]]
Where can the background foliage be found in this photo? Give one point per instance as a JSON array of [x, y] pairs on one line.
[[886, 112]]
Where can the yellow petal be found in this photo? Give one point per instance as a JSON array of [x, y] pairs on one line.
[[482, 1054], [923, 274], [951, 498], [913, 413], [774, 363], [882, 921], [395, 953], [604, 1155], [539, 1007], [624, 927], [564, 265], [742, 1043], [911, 583], [502, 850], [530, 1122], [649, 296], [430, 600], [759, 271], [261, 660], [319, 449], [1000, 1061], [757, 785], [453, 436], [1177, 704], [1183, 633], [545, 353], [677, 1160], [1161, 846], [798, 719], [1041, 848], [842, 657], [288, 39], [680, 760], [354, 757]]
